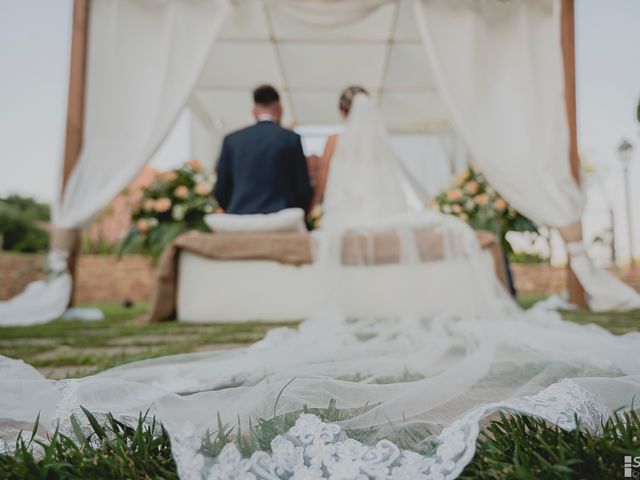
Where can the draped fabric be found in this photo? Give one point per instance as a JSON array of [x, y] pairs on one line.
[[498, 67], [328, 12], [144, 59]]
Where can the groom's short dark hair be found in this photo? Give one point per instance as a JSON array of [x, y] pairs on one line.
[[265, 95]]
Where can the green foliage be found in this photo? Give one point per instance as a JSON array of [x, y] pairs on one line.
[[98, 246], [174, 203], [19, 224], [520, 447], [526, 257], [111, 449]]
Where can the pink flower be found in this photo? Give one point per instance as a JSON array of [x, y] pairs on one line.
[[482, 199], [181, 192], [203, 189], [148, 205], [454, 195], [500, 204], [472, 187], [162, 205], [461, 177], [194, 164], [168, 177], [142, 225]]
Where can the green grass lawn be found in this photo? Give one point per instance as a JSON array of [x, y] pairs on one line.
[[62, 349]]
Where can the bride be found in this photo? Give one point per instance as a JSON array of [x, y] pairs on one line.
[[382, 371]]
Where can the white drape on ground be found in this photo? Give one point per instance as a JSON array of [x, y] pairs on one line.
[[143, 61]]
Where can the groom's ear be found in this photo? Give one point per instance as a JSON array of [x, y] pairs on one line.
[[278, 111]]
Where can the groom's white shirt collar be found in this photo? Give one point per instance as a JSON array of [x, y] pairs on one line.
[[265, 117]]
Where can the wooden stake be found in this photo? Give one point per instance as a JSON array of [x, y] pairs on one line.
[[576, 292], [75, 105]]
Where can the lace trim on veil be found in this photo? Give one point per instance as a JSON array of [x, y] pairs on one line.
[[314, 450]]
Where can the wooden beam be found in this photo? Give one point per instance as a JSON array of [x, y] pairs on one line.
[[75, 105], [576, 292]]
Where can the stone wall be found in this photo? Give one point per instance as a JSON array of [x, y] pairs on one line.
[[103, 278]]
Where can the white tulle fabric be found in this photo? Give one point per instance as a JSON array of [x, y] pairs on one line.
[[439, 375], [366, 184]]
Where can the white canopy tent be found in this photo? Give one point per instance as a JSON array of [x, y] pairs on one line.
[[492, 70], [310, 59]]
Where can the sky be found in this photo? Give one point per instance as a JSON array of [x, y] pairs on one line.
[[34, 54]]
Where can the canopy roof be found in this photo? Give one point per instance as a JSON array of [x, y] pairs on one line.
[[310, 62]]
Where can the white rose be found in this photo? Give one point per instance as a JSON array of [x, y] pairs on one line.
[[177, 213]]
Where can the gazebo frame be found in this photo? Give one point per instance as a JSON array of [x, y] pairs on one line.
[[76, 96]]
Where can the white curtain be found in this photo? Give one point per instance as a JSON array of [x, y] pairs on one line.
[[144, 59], [498, 67], [328, 12]]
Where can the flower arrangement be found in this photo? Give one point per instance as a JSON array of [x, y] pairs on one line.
[[473, 200], [174, 202]]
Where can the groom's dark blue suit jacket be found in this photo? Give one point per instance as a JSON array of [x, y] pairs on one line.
[[262, 169]]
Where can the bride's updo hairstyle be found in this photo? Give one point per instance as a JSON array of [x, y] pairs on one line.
[[347, 96]]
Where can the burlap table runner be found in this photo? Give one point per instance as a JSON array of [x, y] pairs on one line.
[[292, 249]]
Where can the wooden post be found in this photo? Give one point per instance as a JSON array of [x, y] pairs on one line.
[[75, 105], [576, 292]]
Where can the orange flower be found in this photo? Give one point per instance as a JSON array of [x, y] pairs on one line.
[[461, 177], [181, 192], [500, 204], [168, 177], [472, 187], [203, 189], [454, 195], [162, 205], [482, 199], [194, 164], [142, 225], [457, 209], [148, 205]]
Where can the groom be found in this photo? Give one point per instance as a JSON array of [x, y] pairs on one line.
[[262, 168]]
